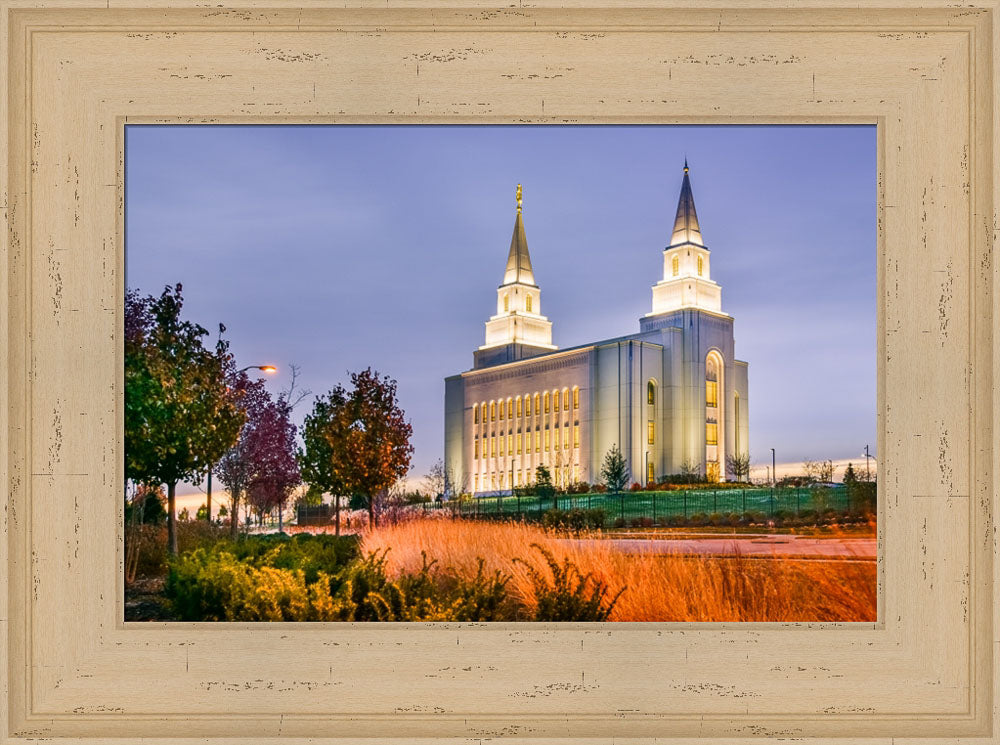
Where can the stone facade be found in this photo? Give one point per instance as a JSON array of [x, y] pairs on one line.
[[670, 397]]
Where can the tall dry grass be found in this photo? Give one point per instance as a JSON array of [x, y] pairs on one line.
[[658, 588]]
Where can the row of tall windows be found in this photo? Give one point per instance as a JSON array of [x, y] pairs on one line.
[[561, 476], [549, 401], [503, 445]]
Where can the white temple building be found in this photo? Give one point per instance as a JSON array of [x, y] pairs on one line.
[[672, 396]]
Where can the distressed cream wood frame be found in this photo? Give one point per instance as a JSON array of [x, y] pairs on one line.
[[78, 71]]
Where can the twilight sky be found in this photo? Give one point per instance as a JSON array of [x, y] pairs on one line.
[[340, 247]]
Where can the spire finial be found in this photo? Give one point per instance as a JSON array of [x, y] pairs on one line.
[[685, 164], [518, 198]]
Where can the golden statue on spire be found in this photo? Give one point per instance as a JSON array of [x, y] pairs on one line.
[[519, 198]]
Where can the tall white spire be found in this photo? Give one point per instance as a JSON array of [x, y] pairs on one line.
[[519, 318], [687, 281]]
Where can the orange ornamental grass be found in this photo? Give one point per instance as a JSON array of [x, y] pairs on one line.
[[658, 587]]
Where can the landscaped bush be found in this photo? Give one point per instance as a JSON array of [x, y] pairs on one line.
[[569, 595], [575, 519], [322, 578]]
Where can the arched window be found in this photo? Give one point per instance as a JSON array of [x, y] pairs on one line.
[[700, 265], [537, 399], [527, 303], [675, 265], [527, 404], [715, 439], [506, 303], [546, 404], [555, 400], [475, 413], [576, 398], [651, 393], [510, 408], [519, 406], [502, 407], [493, 411], [565, 399]]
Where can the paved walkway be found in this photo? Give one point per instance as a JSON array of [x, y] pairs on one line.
[[760, 546]]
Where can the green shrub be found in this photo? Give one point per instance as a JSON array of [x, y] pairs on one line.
[[575, 519], [698, 519], [569, 595]]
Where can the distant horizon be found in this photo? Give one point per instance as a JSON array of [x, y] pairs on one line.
[[342, 247]]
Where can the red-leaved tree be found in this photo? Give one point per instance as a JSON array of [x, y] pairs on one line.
[[271, 449]]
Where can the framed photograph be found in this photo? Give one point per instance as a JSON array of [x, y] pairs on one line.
[[519, 515]]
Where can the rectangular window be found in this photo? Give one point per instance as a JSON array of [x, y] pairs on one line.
[[527, 405], [510, 444], [576, 436], [493, 446], [650, 393], [565, 438], [477, 482], [519, 406], [477, 449], [518, 478], [576, 398], [546, 441], [651, 432], [475, 415], [519, 444], [711, 393], [711, 433], [538, 441], [493, 480], [650, 474], [546, 402]]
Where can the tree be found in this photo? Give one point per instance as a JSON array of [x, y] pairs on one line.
[[614, 470], [235, 467], [818, 470], [436, 480], [368, 437], [180, 416], [316, 456], [850, 477], [544, 488], [270, 445], [691, 472], [739, 466]]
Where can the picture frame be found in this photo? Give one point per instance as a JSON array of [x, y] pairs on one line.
[[79, 71]]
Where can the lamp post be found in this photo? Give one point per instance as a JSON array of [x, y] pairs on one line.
[[270, 370], [868, 467], [774, 472]]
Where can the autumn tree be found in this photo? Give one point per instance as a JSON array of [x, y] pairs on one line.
[[368, 436], [274, 471], [235, 467], [180, 416]]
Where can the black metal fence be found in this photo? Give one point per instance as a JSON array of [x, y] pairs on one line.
[[661, 506]]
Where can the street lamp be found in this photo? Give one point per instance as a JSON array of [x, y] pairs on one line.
[[270, 370], [774, 472]]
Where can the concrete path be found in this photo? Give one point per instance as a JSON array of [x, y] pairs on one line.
[[758, 546]]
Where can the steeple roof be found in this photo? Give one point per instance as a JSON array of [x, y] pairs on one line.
[[686, 228], [518, 260]]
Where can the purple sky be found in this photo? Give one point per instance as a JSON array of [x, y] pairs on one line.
[[340, 247]]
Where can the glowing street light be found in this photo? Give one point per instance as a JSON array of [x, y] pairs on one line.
[[269, 369]]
